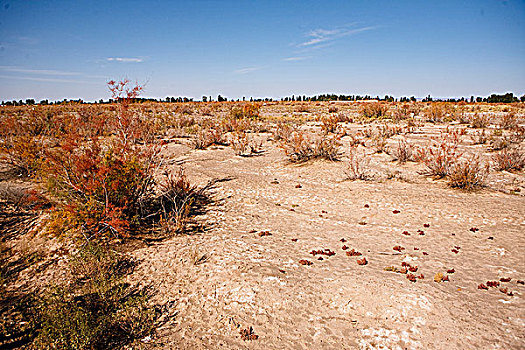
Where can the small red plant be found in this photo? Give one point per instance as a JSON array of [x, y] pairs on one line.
[[362, 261], [248, 334], [353, 253]]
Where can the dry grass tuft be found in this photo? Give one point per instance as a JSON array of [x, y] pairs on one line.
[[468, 174], [509, 159]]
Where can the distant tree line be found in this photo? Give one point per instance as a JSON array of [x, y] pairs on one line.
[[494, 98]]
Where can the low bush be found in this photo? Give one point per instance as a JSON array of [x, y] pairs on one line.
[[246, 110], [380, 143], [436, 113], [479, 121], [468, 174], [509, 120], [106, 187], [373, 110], [509, 159], [401, 112], [206, 137], [302, 108], [439, 156], [243, 145], [357, 165], [403, 152], [330, 124], [283, 131], [479, 137], [96, 310], [301, 147]]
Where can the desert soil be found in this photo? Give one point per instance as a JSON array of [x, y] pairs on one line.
[[230, 277]]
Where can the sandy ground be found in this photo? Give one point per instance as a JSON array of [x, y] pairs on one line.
[[230, 278]]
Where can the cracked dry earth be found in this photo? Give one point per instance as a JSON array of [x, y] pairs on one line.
[[232, 276]]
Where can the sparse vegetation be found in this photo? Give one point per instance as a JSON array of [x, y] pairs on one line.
[[357, 167], [301, 147], [440, 156], [100, 179], [509, 159], [468, 174], [374, 110]]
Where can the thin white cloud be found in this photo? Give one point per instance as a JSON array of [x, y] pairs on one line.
[[298, 58], [35, 71], [45, 72], [125, 59], [320, 36], [246, 70], [48, 80]]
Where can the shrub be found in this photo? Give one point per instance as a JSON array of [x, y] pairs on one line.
[[357, 165], [300, 147], [185, 109], [246, 110], [460, 114], [479, 121], [327, 147], [242, 145], [517, 135], [205, 110], [509, 120], [330, 124], [440, 156], [332, 109], [96, 310], [107, 186], [436, 113], [479, 137], [499, 143], [355, 139], [403, 151], [177, 202], [283, 131], [205, 137], [401, 112], [22, 141], [509, 159], [302, 108], [468, 174], [231, 123], [98, 188], [373, 110], [387, 131], [379, 142]]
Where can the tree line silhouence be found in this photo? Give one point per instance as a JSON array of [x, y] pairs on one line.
[[494, 98]]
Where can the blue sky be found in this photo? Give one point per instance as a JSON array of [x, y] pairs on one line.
[[70, 49]]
